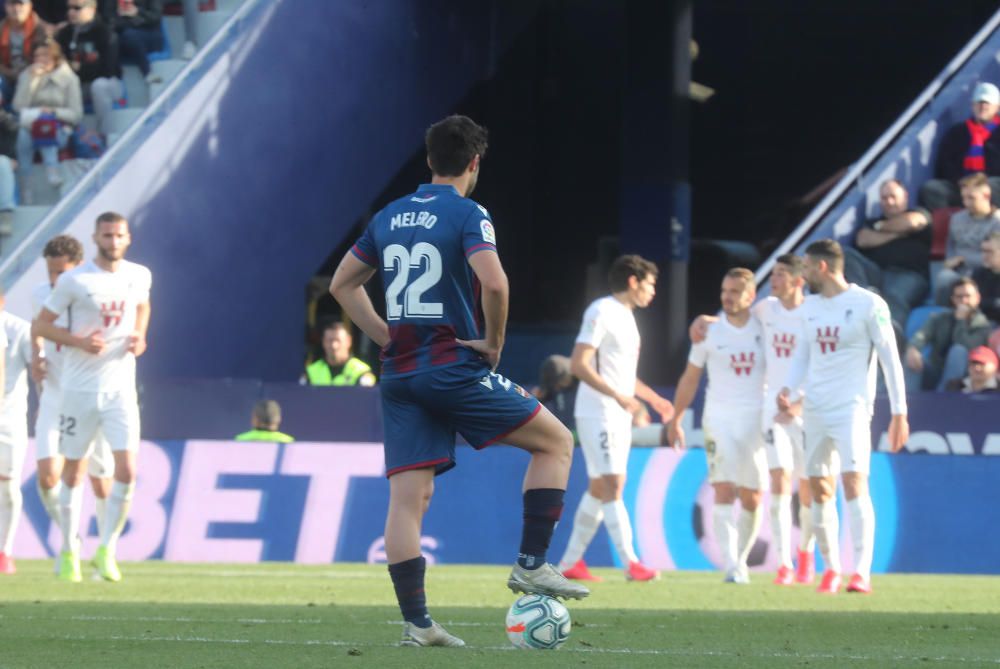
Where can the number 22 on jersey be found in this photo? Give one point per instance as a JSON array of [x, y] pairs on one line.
[[403, 297]]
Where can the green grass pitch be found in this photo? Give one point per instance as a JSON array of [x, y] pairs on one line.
[[283, 615]]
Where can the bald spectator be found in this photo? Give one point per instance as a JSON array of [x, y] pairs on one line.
[[966, 232], [982, 374], [338, 366], [987, 277], [966, 148], [264, 422], [892, 254]]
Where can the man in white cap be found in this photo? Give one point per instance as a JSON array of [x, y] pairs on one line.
[[966, 148]]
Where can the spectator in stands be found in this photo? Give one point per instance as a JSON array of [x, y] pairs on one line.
[[557, 388], [987, 277], [89, 46], [264, 424], [982, 376], [8, 163], [950, 335], [139, 33], [49, 89], [893, 254], [966, 148], [20, 31], [338, 367], [966, 232]]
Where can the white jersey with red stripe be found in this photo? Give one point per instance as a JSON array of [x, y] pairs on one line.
[[844, 334], [735, 360], [95, 300]]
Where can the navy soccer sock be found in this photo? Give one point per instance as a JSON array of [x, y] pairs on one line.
[[408, 580], [542, 509]]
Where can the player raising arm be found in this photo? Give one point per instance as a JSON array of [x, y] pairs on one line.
[[845, 326]]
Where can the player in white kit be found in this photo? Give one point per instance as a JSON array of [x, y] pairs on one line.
[[733, 352], [61, 253], [13, 429], [781, 321], [108, 302], [846, 328], [605, 359]]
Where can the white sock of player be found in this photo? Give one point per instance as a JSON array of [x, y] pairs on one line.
[[862, 515], [10, 513], [589, 514], [826, 526], [781, 527], [725, 534], [807, 538], [70, 508], [747, 528], [100, 513], [118, 504], [620, 528], [50, 500]]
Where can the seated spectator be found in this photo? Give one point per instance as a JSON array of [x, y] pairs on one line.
[[966, 148], [8, 162], [982, 376], [987, 277], [139, 34], [893, 254], [338, 367], [557, 388], [49, 102], [264, 423], [966, 232], [20, 31], [89, 47], [950, 336]]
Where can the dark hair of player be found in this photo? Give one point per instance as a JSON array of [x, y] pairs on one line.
[[109, 217], [629, 265], [792, 263], [64, 245], [828, 250], [452, 143]]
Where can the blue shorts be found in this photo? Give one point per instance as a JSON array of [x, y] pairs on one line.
[[422, 413]]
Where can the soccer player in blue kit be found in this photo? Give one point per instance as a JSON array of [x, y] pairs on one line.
[[436, 252]]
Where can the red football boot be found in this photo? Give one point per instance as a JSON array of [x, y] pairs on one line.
[[637, 571], [830, 583], [785, 576], [860, 584], [805, 571], [579, 572]]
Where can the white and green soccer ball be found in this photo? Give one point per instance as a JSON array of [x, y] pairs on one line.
[[538, 621]]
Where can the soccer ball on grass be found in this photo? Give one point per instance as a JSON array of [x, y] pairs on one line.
[[538, 621]]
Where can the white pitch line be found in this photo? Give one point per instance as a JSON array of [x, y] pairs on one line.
[[591, 649], [163, 619]]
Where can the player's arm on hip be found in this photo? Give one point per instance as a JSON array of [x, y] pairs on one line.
[[348, 288], [495, 294]]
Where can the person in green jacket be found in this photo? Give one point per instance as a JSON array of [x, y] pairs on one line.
[[265, 421], [338, 367]]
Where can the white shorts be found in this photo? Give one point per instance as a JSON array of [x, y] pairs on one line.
[[605, 444], [86, 415], [102, 462], [784, 447], [846, 433], [735, 448], [13, 445]]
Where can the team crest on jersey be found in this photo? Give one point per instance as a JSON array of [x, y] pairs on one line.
[[828, 338], [742, 363], [784, 344], [489, 235], [112, 312]]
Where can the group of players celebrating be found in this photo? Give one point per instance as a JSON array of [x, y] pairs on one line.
[[90, 323], [792, 371]]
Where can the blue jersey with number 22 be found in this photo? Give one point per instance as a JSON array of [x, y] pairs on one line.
[[421, 244]]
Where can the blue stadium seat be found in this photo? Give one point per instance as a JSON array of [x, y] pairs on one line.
[[919, 316]]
